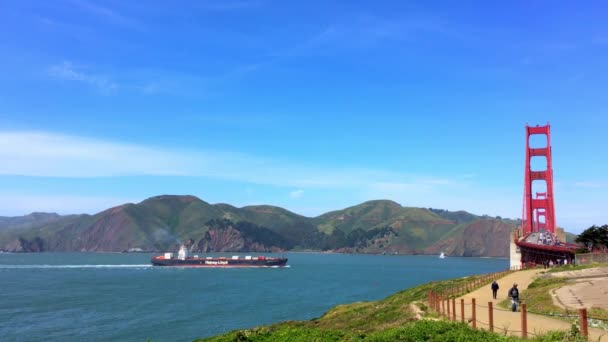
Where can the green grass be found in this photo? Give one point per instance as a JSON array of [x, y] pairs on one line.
[[392, 319], [426, 330], [351, 321]]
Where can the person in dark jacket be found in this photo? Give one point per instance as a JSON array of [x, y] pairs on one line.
[[514, 295], [495, 288]]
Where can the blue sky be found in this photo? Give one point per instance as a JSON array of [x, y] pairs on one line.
[[312, 105]]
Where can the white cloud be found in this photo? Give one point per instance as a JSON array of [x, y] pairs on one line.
[[296, 194], [56, 155], [67, 71]]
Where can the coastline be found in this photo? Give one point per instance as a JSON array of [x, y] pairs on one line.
[[375, 319]]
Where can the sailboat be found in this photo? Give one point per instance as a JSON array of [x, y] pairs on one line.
[[441, 256]]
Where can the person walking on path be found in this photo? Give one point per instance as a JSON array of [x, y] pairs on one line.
[[495, 288], [514, 295]]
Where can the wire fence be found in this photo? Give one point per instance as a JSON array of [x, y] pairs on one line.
[[591, 258], [443, 301]]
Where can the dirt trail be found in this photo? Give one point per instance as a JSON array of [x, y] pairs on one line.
[[511, 321]]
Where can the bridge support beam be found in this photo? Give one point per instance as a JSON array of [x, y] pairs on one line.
[[538, 211]]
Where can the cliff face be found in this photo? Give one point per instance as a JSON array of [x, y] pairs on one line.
[[161, 223], [229, 240], [23, 245], [481, 238]]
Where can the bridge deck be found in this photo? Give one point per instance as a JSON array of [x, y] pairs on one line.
[[537, 249]]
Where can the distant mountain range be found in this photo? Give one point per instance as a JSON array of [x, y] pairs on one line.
[[162, 223]]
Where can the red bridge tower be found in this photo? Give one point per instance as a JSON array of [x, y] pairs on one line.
[[538, 211]]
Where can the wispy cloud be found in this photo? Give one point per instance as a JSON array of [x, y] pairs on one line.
[[147, 82], [168, 82], [296, 194], [591, 184], [364, 31], [109, 14], [56, 155], [53, 155], [228, 5], [64, 28], [43, 154], [356, 32], [67, 71]]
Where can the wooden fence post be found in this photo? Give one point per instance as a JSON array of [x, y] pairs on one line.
[[524, 322], [582, 314], [462, 310], [454, 309], [449, 312], [438, 303], [435, 298], [474, 317], [491, 315]]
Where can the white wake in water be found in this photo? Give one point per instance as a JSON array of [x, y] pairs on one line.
[[117, 266], [76, 266]]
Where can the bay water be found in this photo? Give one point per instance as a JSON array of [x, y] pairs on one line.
[[121, 297]]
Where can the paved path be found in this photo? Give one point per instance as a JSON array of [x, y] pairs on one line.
[[511, 321]]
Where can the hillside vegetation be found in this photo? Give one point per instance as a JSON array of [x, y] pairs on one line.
[[399, 317], [164, 222]]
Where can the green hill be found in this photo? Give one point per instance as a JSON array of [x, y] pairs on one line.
[[163, 222]]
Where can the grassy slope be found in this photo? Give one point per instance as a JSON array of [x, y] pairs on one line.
[[366, 216], [59, 230], [417, 228], [292, 226], [390, 319]]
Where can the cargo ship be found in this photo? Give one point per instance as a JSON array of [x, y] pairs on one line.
[[183, 260]]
